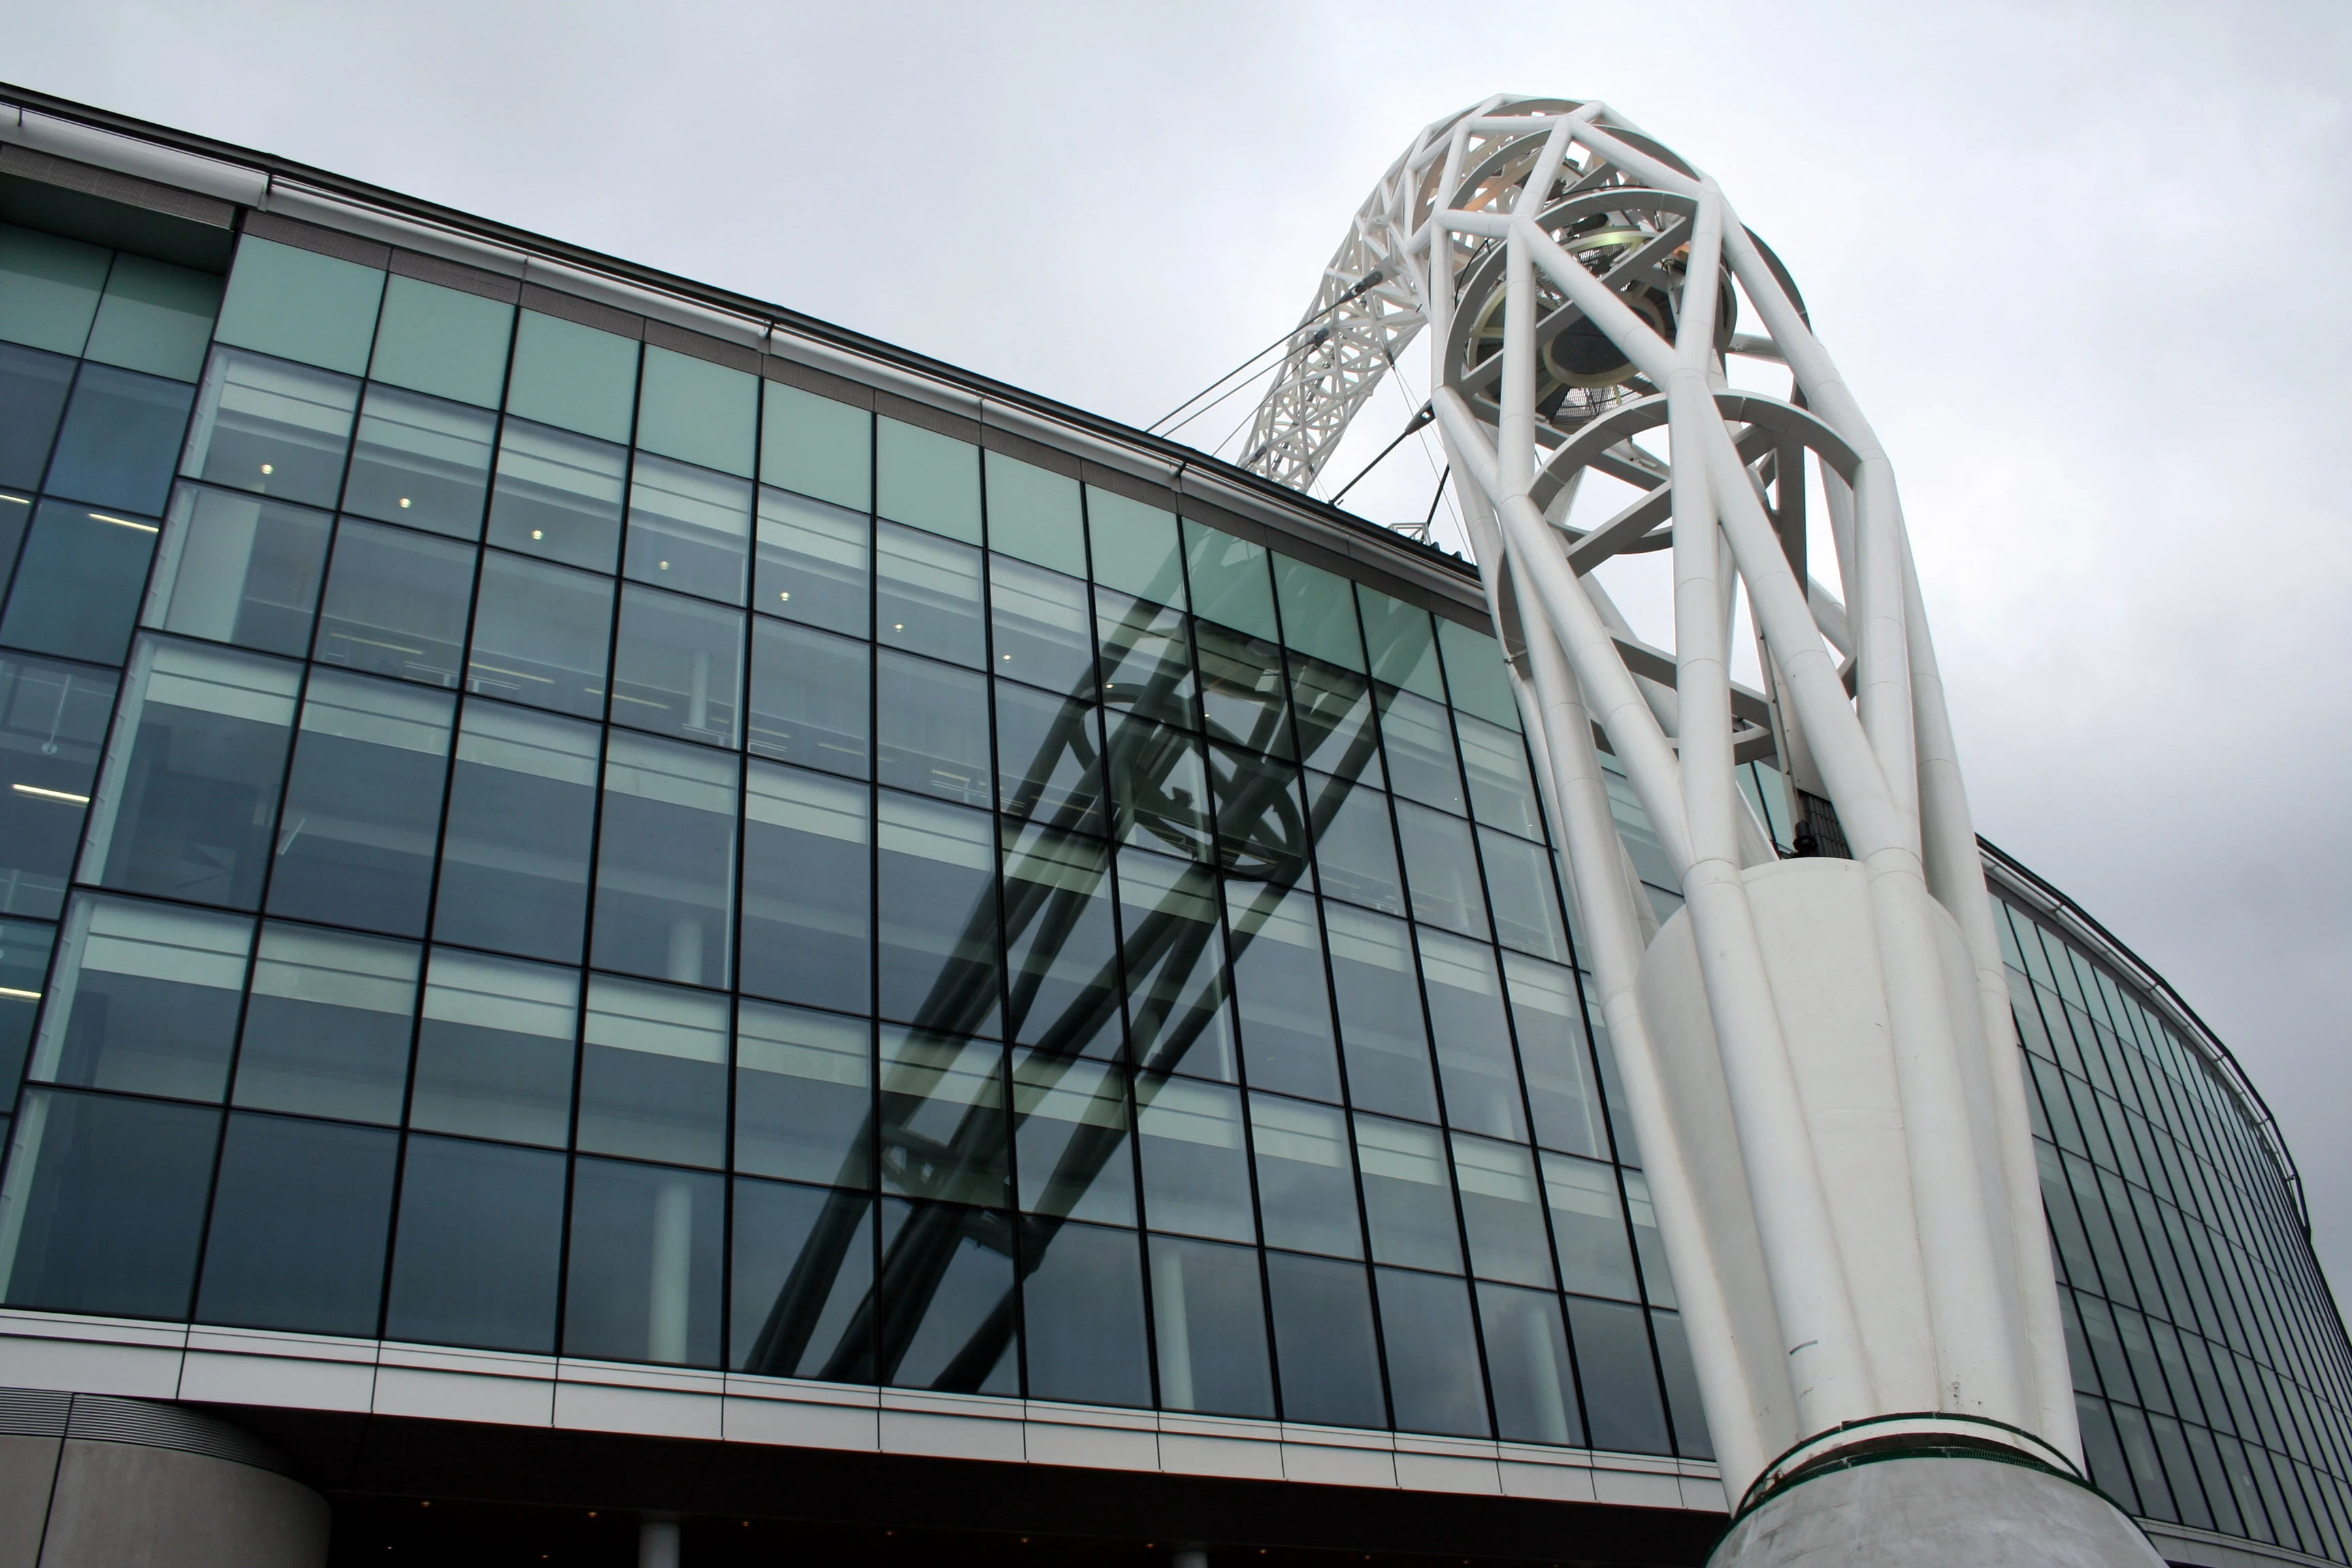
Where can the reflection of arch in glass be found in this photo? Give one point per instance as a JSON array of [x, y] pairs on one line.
[[1260, 833]]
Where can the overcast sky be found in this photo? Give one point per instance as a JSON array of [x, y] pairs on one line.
[[2084, 265]]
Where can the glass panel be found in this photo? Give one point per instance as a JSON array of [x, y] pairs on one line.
[[514, 867], [947, 1298], [1682, 1387], [665, 862], [300, 1216], [928, 480], [422, 461], [1589, 1226], [1061, 943], [558, 495], [1433, 1355], [33, 387], [1421, 763], [1381, 1025], [1147, 660], [1620, 1389], [1209, 1325], [644, 1265], [364, 806], [1474, 674], [942, 1118], [395, 603], [1040, 620], [1355, 844], [927, 596], [1159, 785], [443, 342], [1526, 908], [937, 891], [931, 729], [49, 288], [1560, 1087], [1136, 547], [807, 890], [297, 303], [1474, 1044], [1242, 690], [1319, 613], [1048, 759], [1195, 1170], [156, 316], [810, 696], [105, 1205], [494, 1052], [145, 999], [1323, 1333], [652, 1074], [1083, 1298], [1306, 1182], [1034, 514], [812, 562], [802, 1266], [817, 447], [1502, 789], [265, 425], [1533, 1381], [1407, 1198], [121, 432], [25, 948], [481, 1242], [1278, 984], [189, 796], [1071, 1122], [804, 1095], [239, 569], [698, 411], [1262, 831], [52, 720], [540, 636], [326, 1032], [78, 583], [1175, 957], [1502, 1211], [1657, 1279], [689, 529], [677, 667], [1335, 722], [574, 376], [1404, 644], [1232, 584]]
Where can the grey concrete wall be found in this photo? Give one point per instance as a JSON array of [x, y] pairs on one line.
[[76, 1503]]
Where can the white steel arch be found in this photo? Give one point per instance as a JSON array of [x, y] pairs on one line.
[[1819, 1054]]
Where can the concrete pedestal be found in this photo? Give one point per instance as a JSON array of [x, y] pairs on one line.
[[1936, 1511], [91, 1482]]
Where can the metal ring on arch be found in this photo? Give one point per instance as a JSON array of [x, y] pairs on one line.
[[1647, 524]]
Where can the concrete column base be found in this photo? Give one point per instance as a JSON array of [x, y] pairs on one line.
[[1936, 1511], [91, 1482]]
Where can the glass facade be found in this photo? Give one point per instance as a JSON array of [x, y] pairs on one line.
[[524, 837]]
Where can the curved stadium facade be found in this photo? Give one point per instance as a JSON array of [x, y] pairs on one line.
[[620, 905]]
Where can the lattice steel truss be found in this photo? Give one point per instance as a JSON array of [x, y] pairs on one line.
[[1819, 1053]]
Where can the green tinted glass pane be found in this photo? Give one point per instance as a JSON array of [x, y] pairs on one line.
[[299, 305], [1319, 613], [1034, 515], [1473, 669], [1138, 549], [441, 341], [48, 289], [1404, 647], [1229, 581], [574, 376], [156, 316], [817, 447], [927, 480], [698, 411]]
